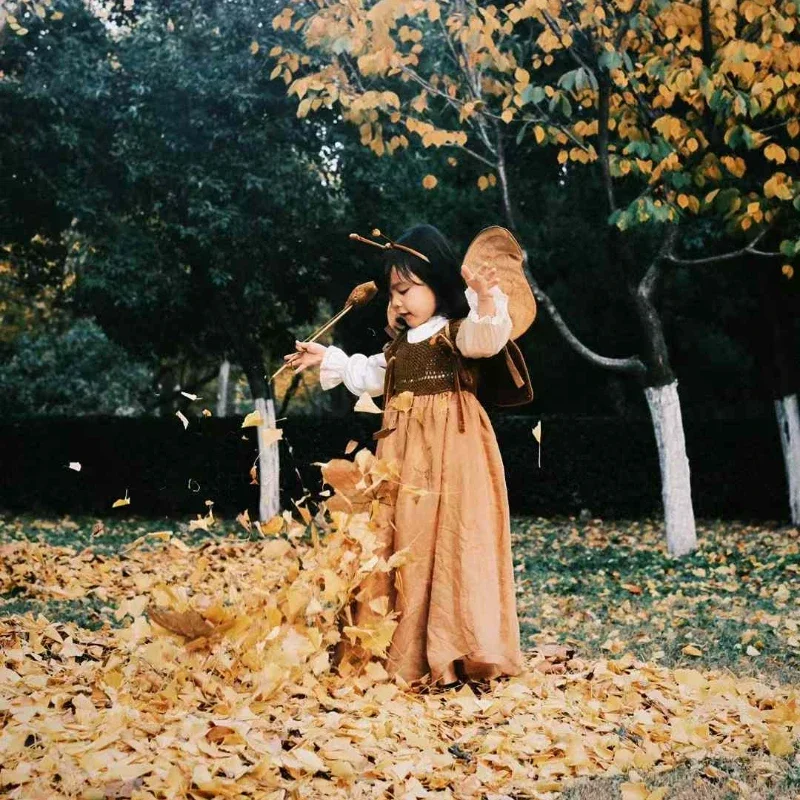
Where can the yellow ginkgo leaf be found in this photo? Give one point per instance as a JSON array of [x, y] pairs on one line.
[[403, 401], [779, 742], [252, 420], [123, 501], [271, 435], [691, 650], [633, 791], [254, 47], [537, 432]]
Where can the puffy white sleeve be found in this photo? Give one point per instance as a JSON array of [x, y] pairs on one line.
[[358, 372], [481, 337]]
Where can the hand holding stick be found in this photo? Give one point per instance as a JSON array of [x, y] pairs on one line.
[[360, 296]]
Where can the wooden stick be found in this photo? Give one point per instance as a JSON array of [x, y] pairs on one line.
[[329, 324]]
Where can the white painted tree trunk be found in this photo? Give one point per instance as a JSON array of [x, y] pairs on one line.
[[268, 463], [676, 488], [789, 425], [222, 388]]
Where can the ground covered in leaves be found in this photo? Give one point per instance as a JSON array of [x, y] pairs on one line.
[[149, 660]]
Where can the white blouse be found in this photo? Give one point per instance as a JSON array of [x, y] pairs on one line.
[[478, 337]]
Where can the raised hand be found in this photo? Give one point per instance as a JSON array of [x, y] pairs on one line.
[[481, 281], [308, 354]]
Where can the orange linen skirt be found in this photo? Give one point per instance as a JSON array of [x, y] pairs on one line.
[[455, 591]]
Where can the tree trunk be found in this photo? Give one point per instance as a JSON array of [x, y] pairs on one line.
[[268, 463], [268, 456], [788, 416], [676, 491], [222, 388], [781, 376]]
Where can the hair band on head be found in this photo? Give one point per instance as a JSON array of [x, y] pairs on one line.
[[390, 245]]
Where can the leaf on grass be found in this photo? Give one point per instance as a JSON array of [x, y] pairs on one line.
[[187, 623], [271, 528], [76, 465], [202, 523], [98, 529], [252, 420], [633, 791], [632, 588], [691, 650], [183, 419], [779, 742], [366, 404]]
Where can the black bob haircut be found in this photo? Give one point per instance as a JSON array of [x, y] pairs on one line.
[[442, 274]]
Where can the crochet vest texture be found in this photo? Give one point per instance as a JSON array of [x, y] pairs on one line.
[[431, 366], [435, 365]]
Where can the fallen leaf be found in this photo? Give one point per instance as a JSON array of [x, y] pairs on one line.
[[633, 791], [183, 419], [187, 623], [271, 528], [201, 523], [351, 445], [76, 465], [632, 588], [780, 742], [191, 396], [691, 650], [254, 475], [206, 412]]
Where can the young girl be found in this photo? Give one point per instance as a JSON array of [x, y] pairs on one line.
[[455, 594]]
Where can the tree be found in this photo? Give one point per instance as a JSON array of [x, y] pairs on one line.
[[199, 203], [686, 111], [73, 372]]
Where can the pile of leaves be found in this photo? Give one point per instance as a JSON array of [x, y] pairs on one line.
[[219, 681]]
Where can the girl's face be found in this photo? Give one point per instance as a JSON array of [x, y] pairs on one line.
[[410, 299]]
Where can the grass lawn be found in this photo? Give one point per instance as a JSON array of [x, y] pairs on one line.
[[604, 589]]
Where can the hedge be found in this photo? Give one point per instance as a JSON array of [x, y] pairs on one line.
[[606, 466]]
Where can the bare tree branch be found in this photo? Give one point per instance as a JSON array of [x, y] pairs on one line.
[[749, 250]]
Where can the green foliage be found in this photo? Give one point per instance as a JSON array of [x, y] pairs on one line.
[[77, 372]]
